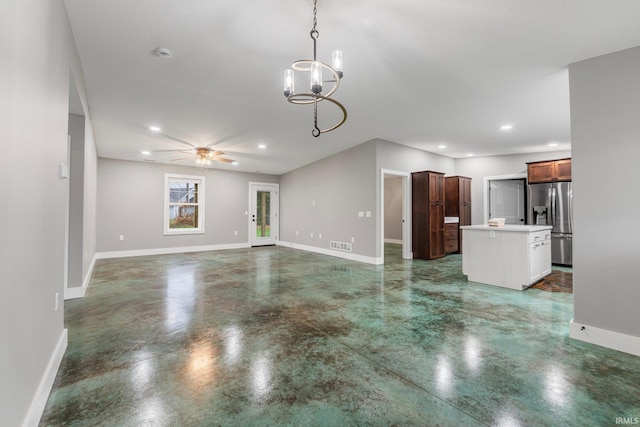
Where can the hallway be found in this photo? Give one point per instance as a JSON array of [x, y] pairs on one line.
[[275, 336]]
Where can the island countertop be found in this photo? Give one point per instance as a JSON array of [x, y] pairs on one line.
[[509, 227]]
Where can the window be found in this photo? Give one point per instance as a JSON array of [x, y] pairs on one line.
[[183, 204]]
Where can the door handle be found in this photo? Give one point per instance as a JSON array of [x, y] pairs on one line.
[[553, 207]]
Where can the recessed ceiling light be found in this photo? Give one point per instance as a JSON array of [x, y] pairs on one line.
[[470, 155], [441, 146], [163, 52], [262, 146], [553, 144], [506, 127], [234, 163], [154, 128], [145, 152]]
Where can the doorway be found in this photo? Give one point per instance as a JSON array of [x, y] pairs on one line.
[[507, 199], [399, 216], [264, 213]]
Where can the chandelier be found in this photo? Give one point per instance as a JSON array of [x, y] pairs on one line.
[[315, 68]]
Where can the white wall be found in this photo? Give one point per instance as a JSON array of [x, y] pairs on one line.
[[400, 158], [38, 53], [393, 208], [605, 122], [131, 203], [324, 198], [477, 168]]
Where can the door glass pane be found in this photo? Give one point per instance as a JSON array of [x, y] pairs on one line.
[[263, 220], [506, 200]]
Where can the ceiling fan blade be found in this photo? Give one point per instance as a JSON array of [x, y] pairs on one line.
[[217, 153], [180, 141], [222, 159], [183, 158]]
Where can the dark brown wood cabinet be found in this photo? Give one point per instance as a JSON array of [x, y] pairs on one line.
[[451, 238], [458, 201], [549, 171], [428, 214], [563, 170]]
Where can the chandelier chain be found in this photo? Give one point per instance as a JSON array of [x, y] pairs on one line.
[[314, 32]]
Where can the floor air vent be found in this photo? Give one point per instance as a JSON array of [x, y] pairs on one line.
[[340, 246]]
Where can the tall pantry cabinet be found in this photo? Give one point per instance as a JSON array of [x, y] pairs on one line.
[[458, 201], [428, 214]]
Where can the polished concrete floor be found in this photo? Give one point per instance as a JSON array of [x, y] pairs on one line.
[[274, 336]]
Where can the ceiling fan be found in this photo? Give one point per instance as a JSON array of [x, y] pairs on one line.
[[204, 156]]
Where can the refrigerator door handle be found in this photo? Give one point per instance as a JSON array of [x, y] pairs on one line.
[[552, 199], [553, 206], [570, 207]]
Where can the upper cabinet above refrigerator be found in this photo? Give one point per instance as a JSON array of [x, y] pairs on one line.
[[549, 171]]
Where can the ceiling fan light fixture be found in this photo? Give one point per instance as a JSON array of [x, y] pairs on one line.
[[315, 69]]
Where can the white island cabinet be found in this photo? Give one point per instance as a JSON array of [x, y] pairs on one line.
[[513, 256]]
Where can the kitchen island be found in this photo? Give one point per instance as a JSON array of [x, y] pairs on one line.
[[512, 256]]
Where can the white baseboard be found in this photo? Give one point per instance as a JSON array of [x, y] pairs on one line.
[[165, 251], [396, 241], [46, 383], [605, 338], [78, 292], [331, 252]]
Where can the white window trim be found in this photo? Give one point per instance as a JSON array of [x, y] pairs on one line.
[[168, 177]]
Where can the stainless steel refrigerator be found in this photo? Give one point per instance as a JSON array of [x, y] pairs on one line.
[[551, 204]]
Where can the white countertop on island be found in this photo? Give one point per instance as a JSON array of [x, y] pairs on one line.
[[509, 227]]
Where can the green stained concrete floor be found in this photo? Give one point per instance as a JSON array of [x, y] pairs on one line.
[[274, 336]]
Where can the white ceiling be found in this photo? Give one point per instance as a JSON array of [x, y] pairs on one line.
[[417, 72]]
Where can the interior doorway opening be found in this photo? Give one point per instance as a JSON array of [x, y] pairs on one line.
[[395, 209]]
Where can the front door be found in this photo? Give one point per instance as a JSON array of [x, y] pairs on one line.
[[263, 220]]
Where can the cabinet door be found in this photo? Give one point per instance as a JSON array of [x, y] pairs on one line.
[[451, 196], [545, 257], [465, 214], [535, 262], [563, 170], [541, 172], [465, 190], [436, 230], [451, 238], [436, 188]]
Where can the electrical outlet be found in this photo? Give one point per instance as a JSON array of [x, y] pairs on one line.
[[235, 232], [368, 214], [353, 240], [122, 237], [57, 303], [360, 214], [296, 233], [312, 235], [319, 235]]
